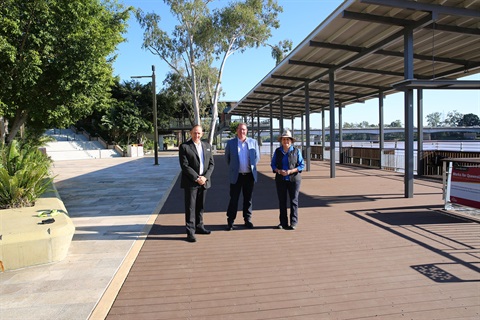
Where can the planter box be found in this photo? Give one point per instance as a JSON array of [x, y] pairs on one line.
[[26, 242], [135, 150]]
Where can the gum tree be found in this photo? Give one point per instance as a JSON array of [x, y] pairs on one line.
[[204, 39], [434, 119], [453, 118], [56, 61]]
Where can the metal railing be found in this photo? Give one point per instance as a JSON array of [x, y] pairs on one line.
[[393, 158]]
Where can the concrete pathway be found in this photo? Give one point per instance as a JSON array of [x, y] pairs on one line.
[[112, 202]]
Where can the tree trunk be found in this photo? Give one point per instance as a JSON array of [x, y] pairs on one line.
[[211, 134], [195, 102], [196, 106], [3, 129], [20, 118]]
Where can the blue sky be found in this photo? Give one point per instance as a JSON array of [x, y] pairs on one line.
[[243, 71]]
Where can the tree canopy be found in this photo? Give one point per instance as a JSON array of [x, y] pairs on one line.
[[201, 42], [129, 116], [56, 59], [469, 120], [453, 119], [434, 119]]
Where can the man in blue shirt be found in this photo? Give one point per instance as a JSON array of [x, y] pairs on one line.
[[242, 155]]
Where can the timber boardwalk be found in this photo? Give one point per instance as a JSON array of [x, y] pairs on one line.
[[361, 250]]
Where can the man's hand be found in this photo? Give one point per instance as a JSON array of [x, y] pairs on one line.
[[201, 180]]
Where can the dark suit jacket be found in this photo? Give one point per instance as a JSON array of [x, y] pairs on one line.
[[190, 164]]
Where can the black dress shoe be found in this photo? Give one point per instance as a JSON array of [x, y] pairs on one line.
[[191, 238], [293, 227], [230, 227], [202, 231], [248, 224], [280, 227]]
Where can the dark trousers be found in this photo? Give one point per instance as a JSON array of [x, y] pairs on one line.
[[245, 185], [291, 189], [194, 202]]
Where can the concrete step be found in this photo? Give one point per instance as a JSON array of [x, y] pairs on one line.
[[71, 146]]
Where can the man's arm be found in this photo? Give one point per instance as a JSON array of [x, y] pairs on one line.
[[257, 152], [211, 164], [185, 164], [227, 152]]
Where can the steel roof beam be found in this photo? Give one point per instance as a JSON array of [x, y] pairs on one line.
[[452, 29], [348, 93], [276, 86], [274, 76], [311, 64], [354, 84], [267, 92], [399, 54], [424, 57], [438, 84], [416, 6], [377, 19]]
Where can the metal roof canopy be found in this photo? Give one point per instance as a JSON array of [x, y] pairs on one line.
[[371, 48], [362, 42]]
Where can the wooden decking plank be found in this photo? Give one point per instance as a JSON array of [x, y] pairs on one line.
[[361, 250]]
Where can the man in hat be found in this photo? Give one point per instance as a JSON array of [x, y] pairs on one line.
[[242, 155], [287, 164]]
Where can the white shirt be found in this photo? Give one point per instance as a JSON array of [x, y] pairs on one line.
[[243, 159], [200, 155]]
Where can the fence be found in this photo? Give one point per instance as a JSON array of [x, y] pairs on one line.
[[393, 159]]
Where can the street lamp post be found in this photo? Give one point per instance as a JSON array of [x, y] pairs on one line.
[[155, 126]]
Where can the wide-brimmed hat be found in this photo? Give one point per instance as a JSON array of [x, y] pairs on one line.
[[286, 134]]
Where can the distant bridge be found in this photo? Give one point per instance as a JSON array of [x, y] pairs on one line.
[[374, 131], [469, 132]]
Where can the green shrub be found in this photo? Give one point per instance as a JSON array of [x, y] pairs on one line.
[[24, 175], [171, 141], [148, 145]]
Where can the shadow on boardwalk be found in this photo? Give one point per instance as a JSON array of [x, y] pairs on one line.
[[362, 250]]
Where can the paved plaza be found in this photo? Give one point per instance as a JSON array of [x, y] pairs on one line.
[[110, 202]]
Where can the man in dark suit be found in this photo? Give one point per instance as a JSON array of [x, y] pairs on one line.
[[196, 162]]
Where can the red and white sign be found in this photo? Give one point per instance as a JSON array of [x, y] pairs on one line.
[[465, 186]]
